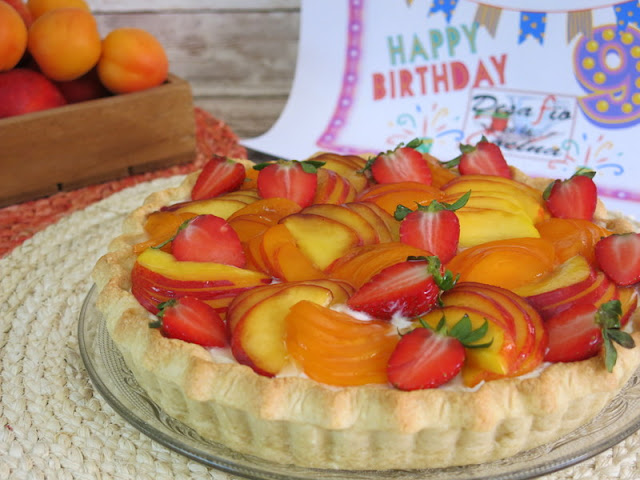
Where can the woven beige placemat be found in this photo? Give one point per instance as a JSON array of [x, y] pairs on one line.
[[53, 424]]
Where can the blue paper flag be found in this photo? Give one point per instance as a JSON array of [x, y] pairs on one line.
[[534, 24], [626, 13], [445, 6]]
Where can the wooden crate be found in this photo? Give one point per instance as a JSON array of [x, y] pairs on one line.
[[76, 145]]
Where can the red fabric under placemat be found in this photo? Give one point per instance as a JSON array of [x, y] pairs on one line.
[[20, 222]]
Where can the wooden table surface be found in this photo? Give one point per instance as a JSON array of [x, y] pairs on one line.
[[238, 55]]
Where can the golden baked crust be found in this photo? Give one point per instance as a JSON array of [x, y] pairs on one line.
[[300, 421]]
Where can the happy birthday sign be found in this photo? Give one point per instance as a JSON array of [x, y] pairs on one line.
[[556, 85]]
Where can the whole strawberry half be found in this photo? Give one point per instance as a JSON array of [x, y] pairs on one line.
[[575, 197], [208, 238], [409, 288], [618, 256], [403, 164], [582, 330], [429, 358], [483, 158], [297, 181], [219, 175], [191, 320], [434, 228]]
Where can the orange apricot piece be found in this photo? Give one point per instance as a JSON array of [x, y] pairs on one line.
[[161, 226], [279, 206], [13, 37], [388, 196], [439, 175], [337, 349], [132, 60], [571, 237], [508, 263], [40, 7], [65, 43], [361, 263]]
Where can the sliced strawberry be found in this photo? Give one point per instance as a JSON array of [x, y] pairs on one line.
[[485, 158], [294, 180], [409, 288], [207, 238], [575, 197], [404, 164], [434, 228], [426, 358], [191, 320], [583, 329], [618, 256], [219, 175]]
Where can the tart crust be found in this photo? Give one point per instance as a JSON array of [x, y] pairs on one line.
[[295, 420]]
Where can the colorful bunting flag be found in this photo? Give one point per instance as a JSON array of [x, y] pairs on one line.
[[626, 13], [445, 6], [534, 24]]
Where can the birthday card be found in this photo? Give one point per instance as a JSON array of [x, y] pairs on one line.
[[555, 83]]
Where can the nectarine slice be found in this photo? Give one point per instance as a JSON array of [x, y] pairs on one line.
[[340, 213], [321, 239], [258, 338]]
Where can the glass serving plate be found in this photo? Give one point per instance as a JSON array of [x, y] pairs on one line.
[[115, 382]]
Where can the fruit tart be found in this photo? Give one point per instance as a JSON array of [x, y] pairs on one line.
[[383, 312]]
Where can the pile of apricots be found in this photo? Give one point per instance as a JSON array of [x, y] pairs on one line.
[[52, 53]]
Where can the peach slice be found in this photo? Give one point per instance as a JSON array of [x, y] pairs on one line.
[[600, 290], [282, 257], [508, 263], [166, 265], [528, 197], [258, 337], [337, 349], [567, 279], [628, 297], [321, 240], [496, 358], [247, 300], [361, 263], [333, 188], [520, 320], [157, 276], [481, 225], [340, 213], [374, 216], [218, 206], [348, 166]]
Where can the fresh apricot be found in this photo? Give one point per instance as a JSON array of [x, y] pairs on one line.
[[65, 43], [40, 7], [571, 236], [13, 37], [22, 10], [508, 263], [132, 60], [337, 349]]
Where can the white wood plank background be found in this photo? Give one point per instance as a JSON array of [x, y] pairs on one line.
[[238, 55]]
